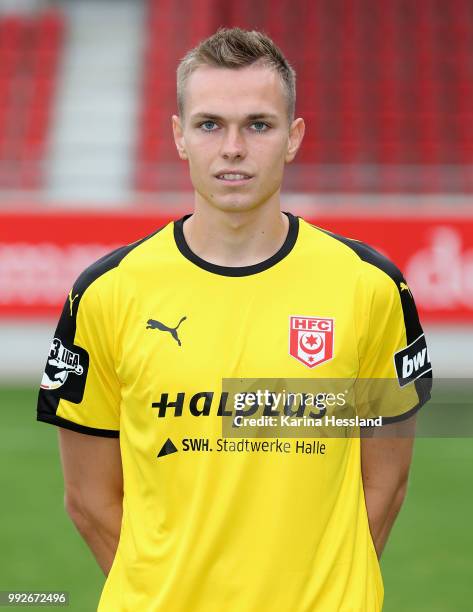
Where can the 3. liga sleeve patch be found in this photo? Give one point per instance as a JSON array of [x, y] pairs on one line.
[[66, 369], [412, 362]]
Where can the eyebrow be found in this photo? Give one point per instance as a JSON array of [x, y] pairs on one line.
[[251, 117]]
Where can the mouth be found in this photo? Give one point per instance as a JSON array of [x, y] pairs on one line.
[[233, 178]]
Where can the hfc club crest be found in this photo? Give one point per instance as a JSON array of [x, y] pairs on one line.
[[311, 340]]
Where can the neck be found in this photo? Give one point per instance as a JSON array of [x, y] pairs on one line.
[[236, 238]]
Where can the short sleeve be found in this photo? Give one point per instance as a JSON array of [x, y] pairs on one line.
[[395, 376], [80, 388]]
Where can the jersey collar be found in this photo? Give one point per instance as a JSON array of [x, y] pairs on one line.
[[284, 250]]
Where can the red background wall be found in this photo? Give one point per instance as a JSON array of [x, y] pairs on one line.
[[41, 254]]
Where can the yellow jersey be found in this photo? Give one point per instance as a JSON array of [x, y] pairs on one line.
[[213, 523]]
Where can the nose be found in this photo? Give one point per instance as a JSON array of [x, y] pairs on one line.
[[233, 144]]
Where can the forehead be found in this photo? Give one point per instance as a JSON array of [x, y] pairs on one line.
[[239, 92]]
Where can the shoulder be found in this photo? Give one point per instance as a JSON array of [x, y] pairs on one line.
[[374, 267], [96, 283], [98, 274], [384, 287]]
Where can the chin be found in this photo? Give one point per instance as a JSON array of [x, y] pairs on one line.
[[238, 206], [233, 204]]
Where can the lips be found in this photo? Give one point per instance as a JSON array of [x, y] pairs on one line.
[[233, 176]]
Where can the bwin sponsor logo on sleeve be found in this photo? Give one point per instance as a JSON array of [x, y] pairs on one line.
[[61, 362], [412, 362]]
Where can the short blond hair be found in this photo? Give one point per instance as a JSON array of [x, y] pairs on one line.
[[236, 48]]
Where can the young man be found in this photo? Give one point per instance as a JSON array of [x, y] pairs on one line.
[[177, 517]]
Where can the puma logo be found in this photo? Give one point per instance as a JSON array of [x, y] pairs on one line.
[[153, 324], [404, 287], [71, 300]]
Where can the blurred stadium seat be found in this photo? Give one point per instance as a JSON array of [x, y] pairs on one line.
[[409, 106], [30, 50], [399, 120]]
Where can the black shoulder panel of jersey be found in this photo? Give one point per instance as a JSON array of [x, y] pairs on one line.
[[414, 333], [105, 264], [67, 364], [370, 255]]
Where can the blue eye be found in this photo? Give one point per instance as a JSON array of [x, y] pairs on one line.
[[260, 126], [208, 126]]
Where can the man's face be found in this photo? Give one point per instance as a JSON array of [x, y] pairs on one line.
[[236, 135]]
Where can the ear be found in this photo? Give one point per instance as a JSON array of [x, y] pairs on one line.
[[179, 136], [296, 134]]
